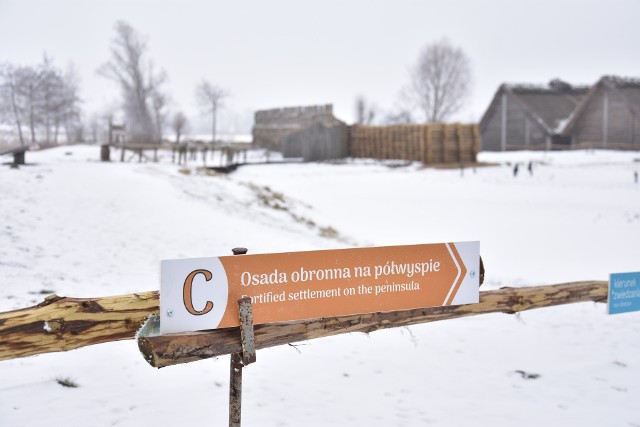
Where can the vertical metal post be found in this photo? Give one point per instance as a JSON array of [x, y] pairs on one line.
[[235, 376], [235, 390], [503, 123], [605, 118]]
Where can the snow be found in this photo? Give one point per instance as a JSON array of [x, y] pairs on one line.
[[560, 124], [77, 227]]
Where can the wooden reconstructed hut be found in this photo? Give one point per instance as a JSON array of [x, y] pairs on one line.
[[608, 116], [273, 126], [522, 117], [561, 116]]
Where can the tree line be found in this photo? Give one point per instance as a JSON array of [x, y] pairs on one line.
[[40, 103], [439, 85]]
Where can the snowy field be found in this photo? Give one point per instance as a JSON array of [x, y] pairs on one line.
[[77, 227]]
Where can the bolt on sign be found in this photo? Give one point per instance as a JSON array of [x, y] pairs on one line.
[[202, 293]]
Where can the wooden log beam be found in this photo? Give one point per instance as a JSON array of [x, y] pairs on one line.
[[61, 324], [167, 350]]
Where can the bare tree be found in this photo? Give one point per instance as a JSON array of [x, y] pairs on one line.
[[71, 114], [140, 84], [159, 103], [11, 103], [210, 97], [365, 112], [40, 97], [28, 84], [179, 125], [440, 81], [93, 127], [399, 117]]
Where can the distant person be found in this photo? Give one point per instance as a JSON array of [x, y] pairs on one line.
[[635, 176], [530, 168], [515, 170]]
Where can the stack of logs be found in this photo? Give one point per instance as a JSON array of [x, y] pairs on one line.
[[430, 144]]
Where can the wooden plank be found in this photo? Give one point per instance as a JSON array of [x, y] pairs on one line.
[[476, 143], [459, 141], [354, 147], [445, 144], [166, 350], [429, 144]]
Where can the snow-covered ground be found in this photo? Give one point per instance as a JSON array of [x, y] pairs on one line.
[[77, 227]]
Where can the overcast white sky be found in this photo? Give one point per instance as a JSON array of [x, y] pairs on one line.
[[272, 53]]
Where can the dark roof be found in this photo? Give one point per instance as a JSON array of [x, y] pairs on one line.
[[629, 88], [550, 105], [295, 116], [553, 107], [622, 82]]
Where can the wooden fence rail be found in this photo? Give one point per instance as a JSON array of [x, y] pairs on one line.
[[60, 324]]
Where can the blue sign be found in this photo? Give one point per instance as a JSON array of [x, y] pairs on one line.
[[624, 293]]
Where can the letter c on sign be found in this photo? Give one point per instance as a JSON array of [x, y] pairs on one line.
[[186, 292]]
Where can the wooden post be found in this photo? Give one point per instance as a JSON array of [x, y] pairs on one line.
[[105, 153], [423, 148], [229, 156], [18, 158], [475, 149], [459, 141], [429, 144], [445, 143]]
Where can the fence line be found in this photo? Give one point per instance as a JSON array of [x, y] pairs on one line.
[[576, 146], [60, 324], [430, 144]]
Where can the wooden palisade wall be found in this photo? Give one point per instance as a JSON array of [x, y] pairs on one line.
[[430, 144]]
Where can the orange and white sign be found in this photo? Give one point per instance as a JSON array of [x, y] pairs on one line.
[[202, 293]]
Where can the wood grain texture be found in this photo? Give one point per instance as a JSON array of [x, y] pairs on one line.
[[61, 324], [167, 350], [430, 144]]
